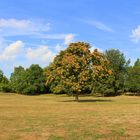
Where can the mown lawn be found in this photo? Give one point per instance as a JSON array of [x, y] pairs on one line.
[[55, 117]]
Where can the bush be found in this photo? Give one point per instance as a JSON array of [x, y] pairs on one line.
[[120, 92], [30, 90], [5, 87], [109, 92]]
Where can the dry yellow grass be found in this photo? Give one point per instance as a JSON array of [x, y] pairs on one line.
[[55, 117]]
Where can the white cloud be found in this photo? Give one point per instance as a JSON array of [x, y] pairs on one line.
[[135, 36], [99, 25], [59, 47], [69, 38], [33, 28], [41, 54], [54, 36], [94, 47], [13, 27], [11, 51], [14, 23], [3, 44], [14, 48]]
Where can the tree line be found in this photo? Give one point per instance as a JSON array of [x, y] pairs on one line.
[[77, 70]]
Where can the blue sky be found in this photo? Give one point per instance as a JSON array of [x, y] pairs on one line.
[[34, 31]]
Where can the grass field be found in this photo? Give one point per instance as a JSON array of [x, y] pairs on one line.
[[55, 117]]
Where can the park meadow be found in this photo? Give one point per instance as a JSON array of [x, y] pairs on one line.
[[59, 117]]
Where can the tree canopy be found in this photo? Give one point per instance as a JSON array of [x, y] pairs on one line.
[[4, 83], [118, 66], [74, 69], [132, 81], [28, 81]]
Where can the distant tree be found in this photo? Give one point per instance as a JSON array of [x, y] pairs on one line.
[[74, 69], [4, 83], [28, 81], [132, 81], [18, 79], [1, 76], [35, 79], [137, 63], [118, 66]]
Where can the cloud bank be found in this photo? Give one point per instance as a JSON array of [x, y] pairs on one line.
[[15, 27], [135, 36], [99, 25]]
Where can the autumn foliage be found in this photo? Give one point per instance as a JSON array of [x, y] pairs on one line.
[[74, 69]]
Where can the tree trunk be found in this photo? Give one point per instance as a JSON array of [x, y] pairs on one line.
[[76, 97], [115, 88], [116, 91]]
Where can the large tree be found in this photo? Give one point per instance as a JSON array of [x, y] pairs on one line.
[[74, 69], [118, 65]]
